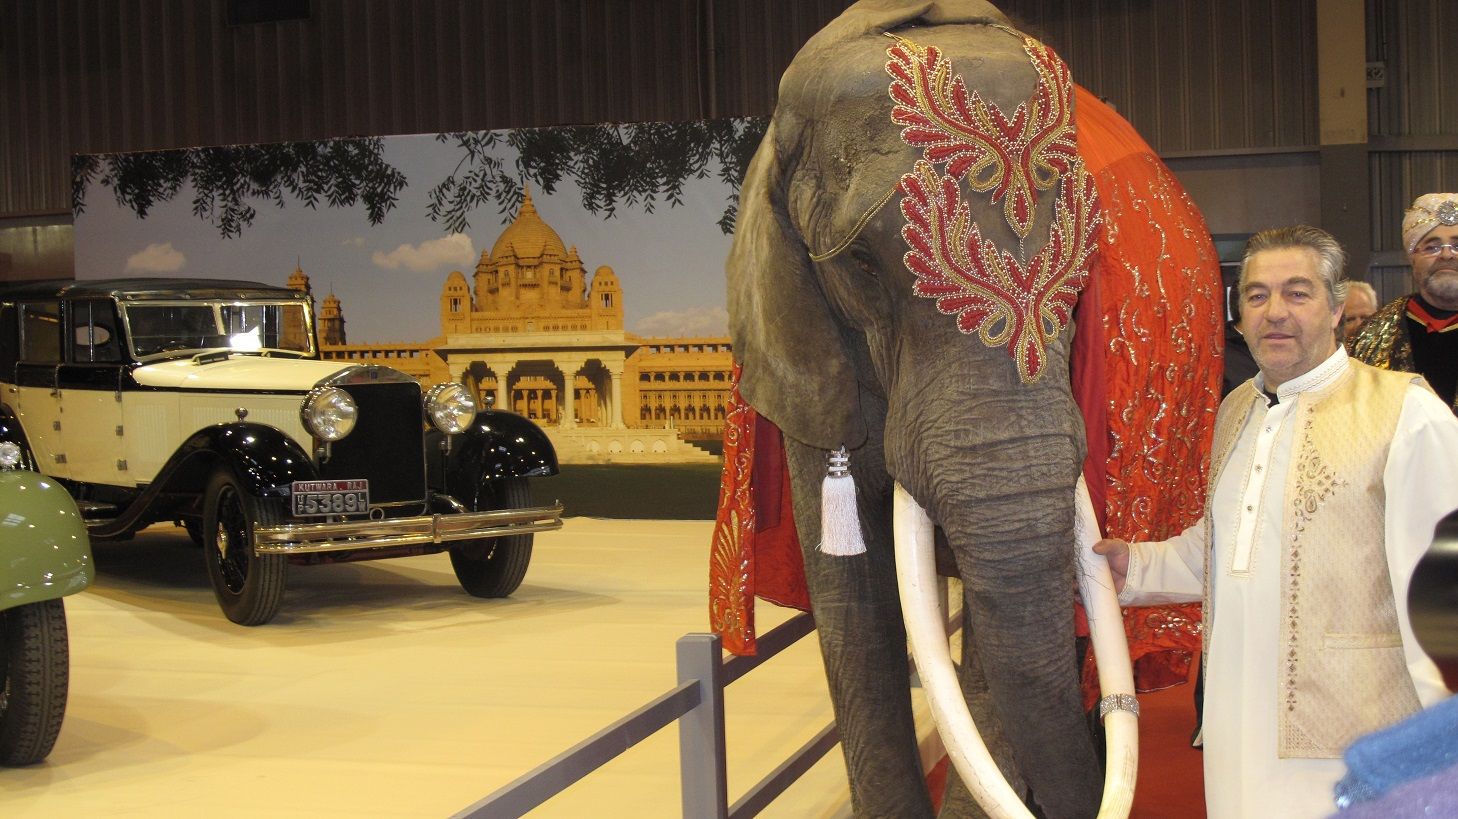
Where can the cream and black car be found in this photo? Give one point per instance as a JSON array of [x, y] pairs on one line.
[[206, 403]]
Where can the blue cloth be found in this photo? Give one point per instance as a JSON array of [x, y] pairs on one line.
[[1432, 797], [1417, 747]]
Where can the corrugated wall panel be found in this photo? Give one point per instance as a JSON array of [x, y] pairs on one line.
[[1170, 70], [1293, 35], [1193, 75], [1413, 38], [84, 76], [1201, 79], [1415, 107], [112, 75]]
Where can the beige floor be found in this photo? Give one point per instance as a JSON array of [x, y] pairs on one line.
[[382, 690]]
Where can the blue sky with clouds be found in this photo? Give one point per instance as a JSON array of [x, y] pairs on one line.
[[389, 276]]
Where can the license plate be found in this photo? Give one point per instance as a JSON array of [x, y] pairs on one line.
[[314, 498]]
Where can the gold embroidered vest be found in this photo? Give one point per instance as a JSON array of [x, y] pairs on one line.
[[1341, 671]]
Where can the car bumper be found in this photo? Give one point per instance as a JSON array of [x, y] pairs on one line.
[[351, 535]]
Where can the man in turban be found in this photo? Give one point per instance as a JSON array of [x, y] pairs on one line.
[[1419, 332]]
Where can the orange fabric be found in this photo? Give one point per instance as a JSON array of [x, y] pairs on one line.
[[731, 555], [1160, 276], [1418, 313], [1090, 391], [779, 569], [755, 551]]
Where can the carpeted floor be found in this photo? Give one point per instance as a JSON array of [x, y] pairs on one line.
[[382, 690], [1171, 779]]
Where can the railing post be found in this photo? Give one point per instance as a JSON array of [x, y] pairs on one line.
[[701, 752]]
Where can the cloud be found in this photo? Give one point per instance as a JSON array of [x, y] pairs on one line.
[[355, 241], [454, 250], [157, 258], [694, 321]]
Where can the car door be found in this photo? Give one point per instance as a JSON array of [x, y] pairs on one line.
[[90, 383], [35, 394]]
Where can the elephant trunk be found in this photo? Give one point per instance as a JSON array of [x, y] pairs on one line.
[[1000, 484]]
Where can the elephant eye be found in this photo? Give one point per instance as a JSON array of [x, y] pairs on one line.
[[865, 261]]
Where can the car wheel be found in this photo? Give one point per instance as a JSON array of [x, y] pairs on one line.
[[494, 567], [34, 671], [249, 587]]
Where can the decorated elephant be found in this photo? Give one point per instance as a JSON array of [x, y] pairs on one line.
[[924, 221]]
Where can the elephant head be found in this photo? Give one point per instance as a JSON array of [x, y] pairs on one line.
[[901, 284]]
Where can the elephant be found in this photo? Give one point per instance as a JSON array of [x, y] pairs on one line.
[[854, 326]]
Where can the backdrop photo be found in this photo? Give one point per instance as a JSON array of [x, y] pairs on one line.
[[591, 254]]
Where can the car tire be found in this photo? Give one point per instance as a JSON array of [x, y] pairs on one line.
[[495, 567], [249, 587], [34, 673]]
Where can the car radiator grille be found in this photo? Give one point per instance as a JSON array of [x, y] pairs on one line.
[[387, 445]]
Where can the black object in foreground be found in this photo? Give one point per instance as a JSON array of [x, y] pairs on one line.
[[1432, 600]]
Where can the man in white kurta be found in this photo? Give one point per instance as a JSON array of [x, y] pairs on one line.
[[1251, 770]]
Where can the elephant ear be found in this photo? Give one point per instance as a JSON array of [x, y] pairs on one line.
[[796, 369]]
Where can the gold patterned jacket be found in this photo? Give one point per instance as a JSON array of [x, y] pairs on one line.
[[1384, 341], [1342, 671]]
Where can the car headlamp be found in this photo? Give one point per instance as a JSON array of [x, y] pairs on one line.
[[450, 407], [9, 455], [329, 413]]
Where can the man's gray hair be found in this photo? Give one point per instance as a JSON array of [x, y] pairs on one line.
[[1365, 289], [1331, 260]]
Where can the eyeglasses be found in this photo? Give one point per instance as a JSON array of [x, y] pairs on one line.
[[1437, 250]]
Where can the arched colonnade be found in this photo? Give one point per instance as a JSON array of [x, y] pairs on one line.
[[535, 385]]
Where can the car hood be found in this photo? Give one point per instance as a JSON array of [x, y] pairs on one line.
[[238, 372]]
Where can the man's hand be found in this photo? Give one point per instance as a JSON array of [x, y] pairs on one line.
[[1117, 551]]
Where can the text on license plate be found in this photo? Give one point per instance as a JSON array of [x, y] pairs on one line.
[[331, 497]]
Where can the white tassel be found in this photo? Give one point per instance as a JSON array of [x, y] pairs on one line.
[[840, 520]]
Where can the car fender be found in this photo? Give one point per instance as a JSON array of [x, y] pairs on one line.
[[264, 458], [498, 445], [44, 551]]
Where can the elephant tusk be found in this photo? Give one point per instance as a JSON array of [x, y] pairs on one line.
[[1111, 649], [925, 628]]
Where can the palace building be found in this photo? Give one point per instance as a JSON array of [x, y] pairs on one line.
[[528, 322]]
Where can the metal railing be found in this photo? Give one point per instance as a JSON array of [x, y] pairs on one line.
[[697, 704]]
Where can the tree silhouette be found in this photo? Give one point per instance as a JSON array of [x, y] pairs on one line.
[[614, 165], [339, 172]]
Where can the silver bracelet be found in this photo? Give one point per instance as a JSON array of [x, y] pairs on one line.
[[1118, 702]]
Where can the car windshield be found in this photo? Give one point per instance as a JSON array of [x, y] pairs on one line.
[[263, 327]]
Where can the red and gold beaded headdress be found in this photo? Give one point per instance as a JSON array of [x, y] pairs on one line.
[[1005, 298]]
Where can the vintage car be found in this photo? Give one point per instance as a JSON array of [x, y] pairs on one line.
[[44, 556], [207, 403]]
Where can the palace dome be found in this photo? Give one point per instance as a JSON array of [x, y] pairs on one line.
[[528, 237]]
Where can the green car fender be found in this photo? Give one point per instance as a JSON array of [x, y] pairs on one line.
[[44, 551]]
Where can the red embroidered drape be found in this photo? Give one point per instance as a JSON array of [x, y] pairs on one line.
[[1159, 277]]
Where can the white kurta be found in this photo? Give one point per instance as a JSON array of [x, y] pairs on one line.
[[1243, 775]]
